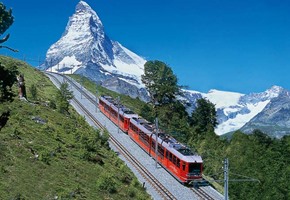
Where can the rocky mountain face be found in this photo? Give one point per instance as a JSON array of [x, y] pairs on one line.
[[85, 49], [274, 119], [268, 111]]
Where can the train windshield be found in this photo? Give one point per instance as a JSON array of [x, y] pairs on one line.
[[128, 112], [185, 151], [194, 168]]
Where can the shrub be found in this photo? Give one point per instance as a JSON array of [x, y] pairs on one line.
[[33, 91], [107, 183]]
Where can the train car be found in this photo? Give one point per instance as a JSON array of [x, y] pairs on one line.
[[116, 112], [175, 157], [141, 131]]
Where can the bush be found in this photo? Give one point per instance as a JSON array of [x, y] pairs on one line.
[[107, 183], [52, 104], [33, 91]]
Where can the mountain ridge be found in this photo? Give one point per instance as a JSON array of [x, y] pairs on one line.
[[85, 49], [237, 111]]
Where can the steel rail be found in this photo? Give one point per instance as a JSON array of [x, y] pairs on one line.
[[158, 186]]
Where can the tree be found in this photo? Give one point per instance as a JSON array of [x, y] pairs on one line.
[[63, 96], [33, 91], [6, 20], [7, 76], [7, 79], [160, 82], [163, 89], [204, 117]]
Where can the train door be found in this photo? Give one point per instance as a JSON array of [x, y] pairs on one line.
[[176, 163], [150, 145], [126, 123], [161, 154], [183, 169]]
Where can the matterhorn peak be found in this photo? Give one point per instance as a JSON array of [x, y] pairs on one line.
[[84, 48], [83, 6]]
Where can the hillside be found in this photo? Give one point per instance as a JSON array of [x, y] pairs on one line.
[[48, 155], [259, 162]]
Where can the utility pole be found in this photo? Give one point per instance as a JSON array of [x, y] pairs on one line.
[[118, 101], [96, 101], [156, 142], [226, 178], [82, 82]]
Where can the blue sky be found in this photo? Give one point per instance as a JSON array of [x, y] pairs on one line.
[[233, 45]]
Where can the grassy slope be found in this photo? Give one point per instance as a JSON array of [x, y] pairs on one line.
[[64, 157], [133, 104]]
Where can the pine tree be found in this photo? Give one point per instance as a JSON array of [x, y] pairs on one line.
[[33, 91], [204, 117], [6, 20], [62, 98], [160, 82], [7, 79]]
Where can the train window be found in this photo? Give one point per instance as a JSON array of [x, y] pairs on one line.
[[114, 113], [153, 145], [161, 150], [147, 138], [178, 162], [194, 168], [183, 166], [170, 157], [174, 160], [134, 128], [144, 138], [121, 118], [167, 154]]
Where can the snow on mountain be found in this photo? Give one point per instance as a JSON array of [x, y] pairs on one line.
[[240, 119], [223, 99], [84, 48], [274, 119], [234, 110]]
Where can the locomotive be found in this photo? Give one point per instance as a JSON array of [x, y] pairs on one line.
[[175, 157]]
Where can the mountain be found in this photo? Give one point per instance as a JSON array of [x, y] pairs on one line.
[[274, 119], [84, 48], [268, 111]]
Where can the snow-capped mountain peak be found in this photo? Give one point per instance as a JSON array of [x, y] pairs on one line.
[[223, 99], [274, 91], [82, 6], [84, 48], [235, 110]]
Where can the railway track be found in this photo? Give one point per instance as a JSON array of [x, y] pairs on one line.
[[201, 193], [158, 186], [164, 193]]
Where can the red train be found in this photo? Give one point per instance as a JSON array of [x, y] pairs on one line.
[[175, 157]]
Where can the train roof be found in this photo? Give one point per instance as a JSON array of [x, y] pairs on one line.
[[114, 104], [143, 124], [178, 149]]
